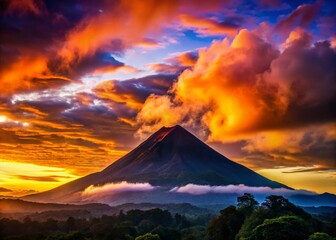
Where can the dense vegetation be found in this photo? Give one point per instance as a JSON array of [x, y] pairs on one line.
[[276, 218], [135, 224]]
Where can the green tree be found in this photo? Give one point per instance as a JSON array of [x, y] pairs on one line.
[[280, 206], [167, 233], [320, 236], [159, 216], [121, 231], [193, 233], [226, 225], [274, 207], [148, 236], [50, 225], [98, 230], [181, 221], [251, 222], [75, 235], [282, 228], [145, 226], [70, 224], [275, 202], [247, 204]]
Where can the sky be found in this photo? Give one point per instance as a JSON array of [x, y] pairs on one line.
[[84, 82]]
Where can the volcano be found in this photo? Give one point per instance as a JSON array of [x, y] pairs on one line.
[[171, 157]]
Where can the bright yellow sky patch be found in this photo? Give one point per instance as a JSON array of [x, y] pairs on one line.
[[316, 181], [26, 176]]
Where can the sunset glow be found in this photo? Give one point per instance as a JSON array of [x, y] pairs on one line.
[[25, 178], [84, 82]]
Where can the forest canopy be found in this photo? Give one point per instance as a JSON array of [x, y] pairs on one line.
[[275, 218]]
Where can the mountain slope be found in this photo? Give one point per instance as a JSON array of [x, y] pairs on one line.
[[173, 156], [170, 157]]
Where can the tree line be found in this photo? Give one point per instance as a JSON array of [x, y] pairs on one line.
[[275, 218]]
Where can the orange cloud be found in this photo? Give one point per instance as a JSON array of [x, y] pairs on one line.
[[130, 18], [333, 42], [187, 59], [69, 139], [35, 75], [165, 68], [228, 73], [208, 27], [109, 90], [133, 92], [298, 37], [288, 141], [234, 92], [176, 64], [112, 69], [150, 43]]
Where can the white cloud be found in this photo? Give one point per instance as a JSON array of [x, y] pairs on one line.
[[238, 189], [114, 188]]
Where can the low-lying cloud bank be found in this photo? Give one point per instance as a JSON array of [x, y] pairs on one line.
[[238, 189], [114, 188]]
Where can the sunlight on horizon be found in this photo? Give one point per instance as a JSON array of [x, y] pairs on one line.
[[319, 182], [24, 178]]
